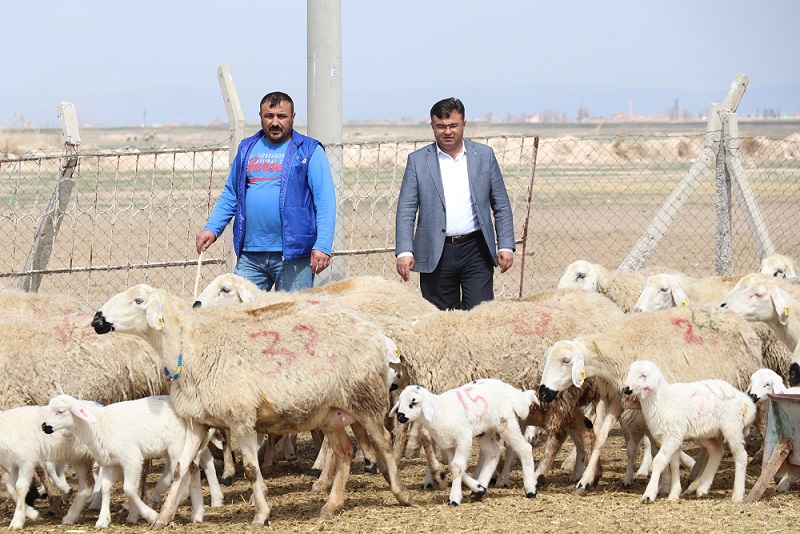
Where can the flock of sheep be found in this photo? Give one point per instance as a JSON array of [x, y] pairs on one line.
[[667, 356]]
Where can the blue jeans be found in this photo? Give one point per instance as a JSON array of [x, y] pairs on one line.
[[266, 269]]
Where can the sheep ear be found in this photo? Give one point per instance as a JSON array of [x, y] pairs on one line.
[[789, 272], [155, 312], [245, 295], [394, 409], [83, 413], [679, 296], [781, 306], [427, 408], [578, 370]]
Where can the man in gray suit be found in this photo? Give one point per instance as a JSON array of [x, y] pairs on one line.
[[452, 188]]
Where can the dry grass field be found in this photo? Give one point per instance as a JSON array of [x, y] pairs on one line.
[[370, 506]]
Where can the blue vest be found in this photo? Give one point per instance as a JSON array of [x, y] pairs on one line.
[[298, 215]]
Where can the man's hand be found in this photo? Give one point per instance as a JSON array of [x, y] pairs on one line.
[[404, 266], [319, 261], [204, 239], [505, 259]]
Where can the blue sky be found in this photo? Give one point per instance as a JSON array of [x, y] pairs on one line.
[[121, 62]]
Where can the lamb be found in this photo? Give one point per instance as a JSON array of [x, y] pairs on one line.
[[689, 342], [296, 366], [622, 287], [779, 266], [123, 435], [23, 446], [505, 339], [481, 408], [707, 410], [767, 382], [667, 290]]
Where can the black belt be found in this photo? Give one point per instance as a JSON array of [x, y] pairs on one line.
[[458, 239]]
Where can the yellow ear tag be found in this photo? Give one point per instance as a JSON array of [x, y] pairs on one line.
[[582, 374], [786, 310], [396, 352], [684, 303], [160, 321]]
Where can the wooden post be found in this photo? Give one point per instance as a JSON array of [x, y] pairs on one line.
[[768, 469], [46, 233], [724, 255], [236, 125]]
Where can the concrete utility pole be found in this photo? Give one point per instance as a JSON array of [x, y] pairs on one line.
[[324, 34]]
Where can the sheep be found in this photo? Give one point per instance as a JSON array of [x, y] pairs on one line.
[[689, 341], [622, 287], [759, 297], [505, 339], [123, 435], [296, 366], [23, 446], [14, 302], [710, 411], [667, 290], [779, 266], [767, 382], [481, 408]]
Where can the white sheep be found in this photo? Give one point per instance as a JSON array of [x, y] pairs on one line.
[[622, 287], [296, 367], [710, 411], [484, 408], [767, 382], [124, 434], [506, 339], [664, 290], [23, 446], [779, 266], [688, 340], [759, 297]]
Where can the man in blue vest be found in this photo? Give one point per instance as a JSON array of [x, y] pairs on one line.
[[281, 197]]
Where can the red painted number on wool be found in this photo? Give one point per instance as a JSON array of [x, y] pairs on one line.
[[688, 335], [539, 329], [472, 403]]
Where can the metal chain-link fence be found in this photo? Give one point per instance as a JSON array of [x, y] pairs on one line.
[[132, 215]]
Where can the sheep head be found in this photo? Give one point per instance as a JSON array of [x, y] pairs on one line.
[[580, 274], [778, 266], [134, 311], [413, 402], [756, 299], [563, 367], [763, 382], [227, 288], [661, 291], [643, 378]]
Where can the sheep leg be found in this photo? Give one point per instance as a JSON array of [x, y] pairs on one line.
[[504, 478], [342, 453], [106, 482], [514, 439], [400, 437], [660, 462], [269, 446], [195, 434], [370, 465], [740, 466], [23, 477], [323, 460], [131, 474], [488, 458], [434, 474], [631, 450], [592, 473], [228, 462], [162, 484], [387, 463], [206, 462], [326, 458], [647, 457], [703, 482], [85, 483], [56, 474], [196, 493], [675, 477], [248, 445]]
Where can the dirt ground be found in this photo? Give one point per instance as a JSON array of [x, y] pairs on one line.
[[370, 506]]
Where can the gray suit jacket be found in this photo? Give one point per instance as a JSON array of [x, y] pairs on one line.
[[421, 200]]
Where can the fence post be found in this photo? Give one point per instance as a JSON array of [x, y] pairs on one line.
[[722, 178], [236, 126], [45, 236]]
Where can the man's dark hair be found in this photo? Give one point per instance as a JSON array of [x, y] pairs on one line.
[[443, 108], [276, 97]]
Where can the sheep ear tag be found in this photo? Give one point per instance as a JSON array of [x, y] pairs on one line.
[[578, 371]]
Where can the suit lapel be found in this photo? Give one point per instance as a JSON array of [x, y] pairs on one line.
[[433, 169], [472, 166]]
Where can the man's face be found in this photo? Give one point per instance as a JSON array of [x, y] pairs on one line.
[[277, 121], [449, 131]]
